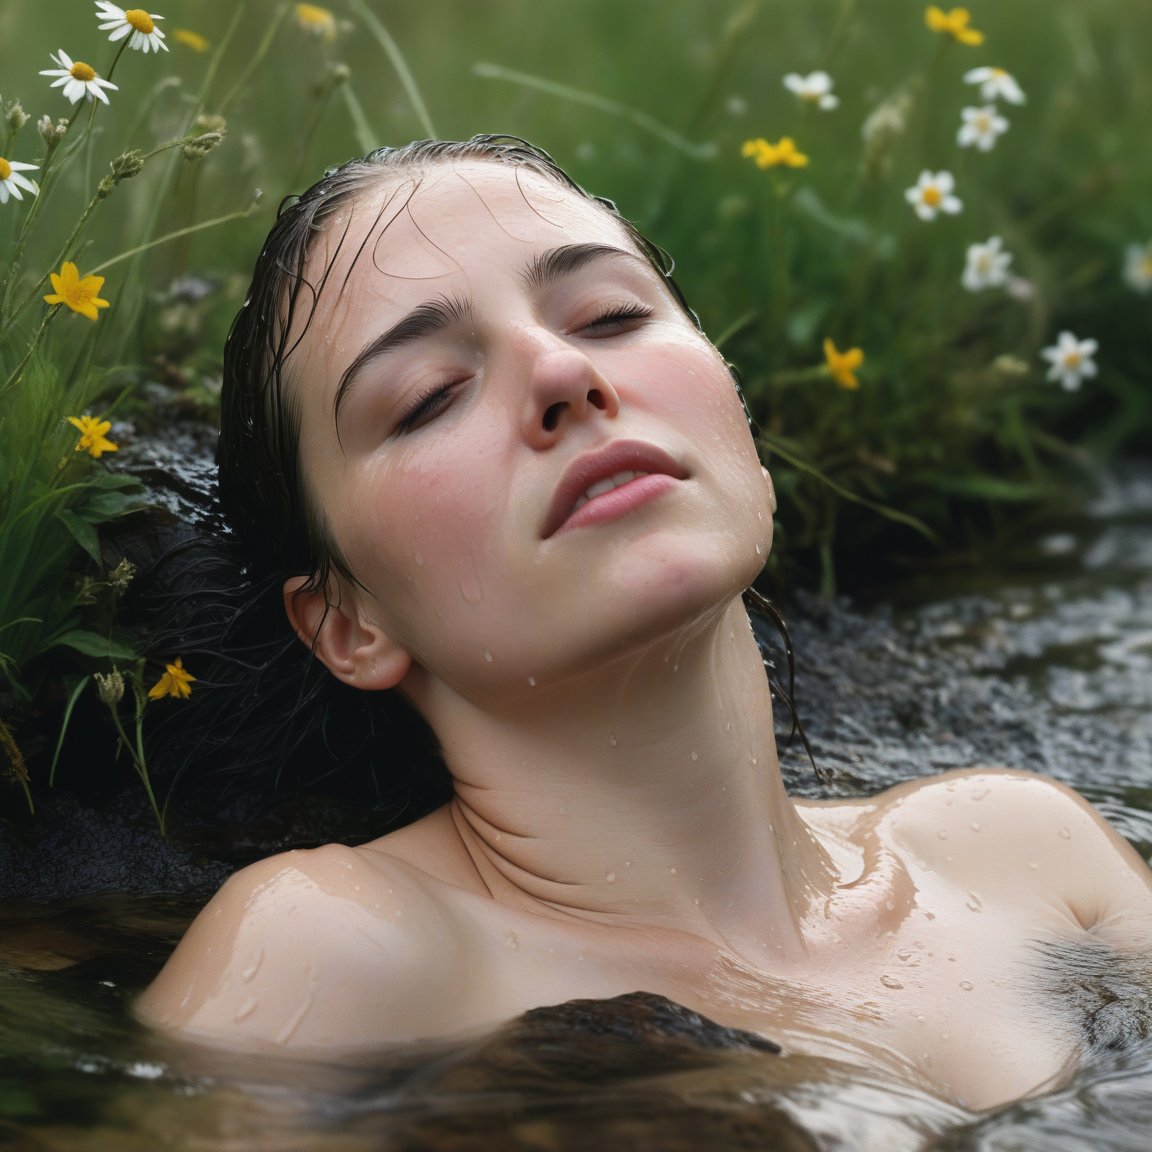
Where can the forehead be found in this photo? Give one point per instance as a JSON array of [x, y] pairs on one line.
[[412, 229], [445, 230]]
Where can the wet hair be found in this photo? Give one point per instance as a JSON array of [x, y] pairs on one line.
[[263, 491]]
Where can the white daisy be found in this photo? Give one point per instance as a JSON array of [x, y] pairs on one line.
[[1138, 267], [932, 194], [816, 88], [982, 127], [138, 25], [79, 80], [986, 266], [1071, 360], [996, 84], [11, 181]]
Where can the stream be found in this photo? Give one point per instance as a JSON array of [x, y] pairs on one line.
[[1043, 661]]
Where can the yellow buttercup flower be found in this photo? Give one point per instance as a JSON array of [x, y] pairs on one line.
[[319, 21], [842, 365], [955, 22], [81, 295], [768, 155], [190, 39], [176, 682], [93, 435]]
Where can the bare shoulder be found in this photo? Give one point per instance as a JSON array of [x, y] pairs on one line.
[[1031, 838], [332, 947]]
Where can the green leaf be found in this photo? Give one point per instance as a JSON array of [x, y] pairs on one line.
[[82, 532], [991, 488], [92, 644]]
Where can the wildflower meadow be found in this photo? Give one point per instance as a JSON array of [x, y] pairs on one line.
[[922, 234]]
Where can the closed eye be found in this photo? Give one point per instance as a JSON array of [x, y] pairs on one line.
[[618, 318], [425, 407]]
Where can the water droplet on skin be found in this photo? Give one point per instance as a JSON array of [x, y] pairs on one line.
[[904, 955], [943, 1035], [943, 833], [487, 656], [759, 550], [695, 756], [889, 906], [675, 667], [671, 871], [920, 1019], [611, 877], [966, 985], [975, 825], [531, 681], [612, 741], [511, 941], [890, 982], [419, 559], [974, 902], [246, 1009], [696, 900], [1065, 834], [471, 593], [1033, 865], [253, 968], [979, 793]]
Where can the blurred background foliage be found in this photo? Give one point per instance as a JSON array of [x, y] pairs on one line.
[[954, 437]]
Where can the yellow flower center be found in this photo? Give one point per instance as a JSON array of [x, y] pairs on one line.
[[5, 169], [931, 196], [983, 123], [1072, 359], [140, 20], [999, 72], [85, 73], [1145, 264]]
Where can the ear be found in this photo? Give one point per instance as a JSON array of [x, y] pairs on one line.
[[353, 648]]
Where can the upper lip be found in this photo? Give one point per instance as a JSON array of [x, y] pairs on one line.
[[586, 470]]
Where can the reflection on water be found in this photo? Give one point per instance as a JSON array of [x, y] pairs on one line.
[[1047, 665]]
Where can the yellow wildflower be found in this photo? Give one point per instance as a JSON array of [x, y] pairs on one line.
[[842, 365], [93, 435], [81, 295], [176, 682], [955, 22], [768, 155], [319, 21], [190, 39]]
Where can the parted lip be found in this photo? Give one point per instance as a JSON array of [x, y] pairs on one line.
[[586, 470]]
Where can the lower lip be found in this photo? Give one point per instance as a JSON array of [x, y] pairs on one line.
[[619, 502]]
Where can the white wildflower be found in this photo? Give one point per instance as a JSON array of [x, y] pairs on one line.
[[986, 266], [996, 84], [11, 181], [1138, 267], [139, 26], [981, 127], [1071, 360], [933, 194], [815, 88], [79, 80]]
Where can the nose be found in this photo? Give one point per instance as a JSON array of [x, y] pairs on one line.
[[565, 387]]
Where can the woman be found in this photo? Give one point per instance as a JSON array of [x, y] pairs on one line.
[[506, 477]]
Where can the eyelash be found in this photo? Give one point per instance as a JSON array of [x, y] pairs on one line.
[[432, 401]]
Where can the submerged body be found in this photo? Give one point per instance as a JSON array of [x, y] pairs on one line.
[[945, 953], [540, 473]]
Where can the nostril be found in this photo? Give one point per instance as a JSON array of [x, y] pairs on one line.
[[597, 399], [552, 415]]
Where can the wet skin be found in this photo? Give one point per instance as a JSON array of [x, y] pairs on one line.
[[619, 822]]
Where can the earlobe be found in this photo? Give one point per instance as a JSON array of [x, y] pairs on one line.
[[352, 648]]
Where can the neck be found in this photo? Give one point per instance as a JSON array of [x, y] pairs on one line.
[[650, 791]]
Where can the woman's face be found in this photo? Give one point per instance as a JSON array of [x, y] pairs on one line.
[[530, 458]]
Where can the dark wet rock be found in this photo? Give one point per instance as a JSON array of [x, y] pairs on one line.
[[73, 848], [594, 1074]]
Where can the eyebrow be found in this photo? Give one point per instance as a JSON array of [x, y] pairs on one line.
[[435, 315], [424, 320]]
